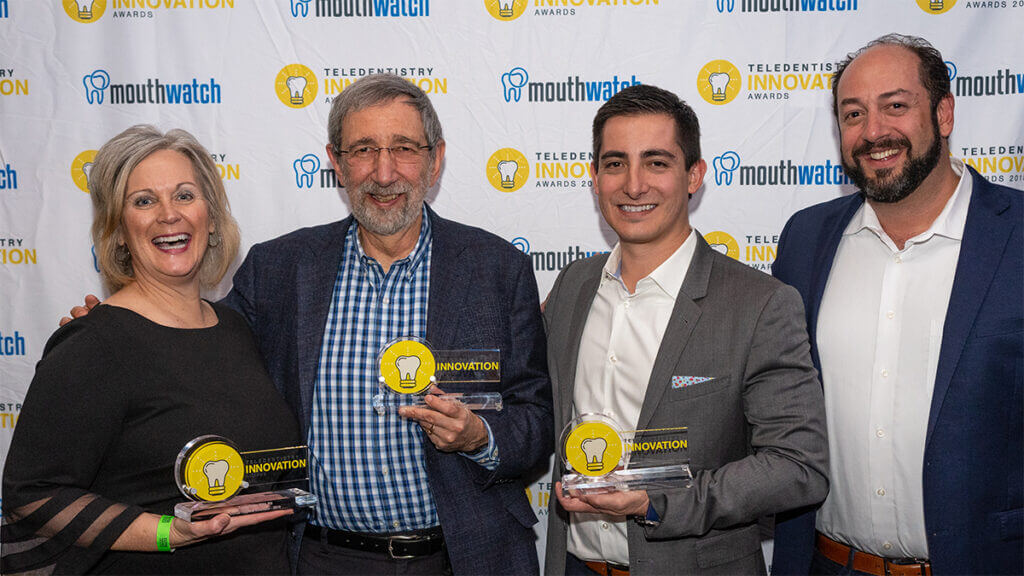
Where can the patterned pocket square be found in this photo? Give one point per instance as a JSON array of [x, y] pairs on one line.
[[684, 381]]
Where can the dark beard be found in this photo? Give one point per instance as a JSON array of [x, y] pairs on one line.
[[916, 169]]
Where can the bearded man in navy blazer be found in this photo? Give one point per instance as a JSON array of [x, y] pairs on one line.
[[913, 294], [436, 489]]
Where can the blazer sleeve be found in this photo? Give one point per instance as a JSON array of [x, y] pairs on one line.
[[784, 409], [523, 429]]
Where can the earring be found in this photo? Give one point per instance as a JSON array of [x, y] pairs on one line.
[[213, 239]]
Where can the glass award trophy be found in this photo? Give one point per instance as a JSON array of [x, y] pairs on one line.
[[599, 457], [210, 472], [408, 367]]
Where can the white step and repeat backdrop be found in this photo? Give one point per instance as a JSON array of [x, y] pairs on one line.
[[513, 80]]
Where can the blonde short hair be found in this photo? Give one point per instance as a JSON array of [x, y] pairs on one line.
[[108, 185]]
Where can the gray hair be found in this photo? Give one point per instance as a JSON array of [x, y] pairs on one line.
[[380, 89], [108, 186], [932, 69]]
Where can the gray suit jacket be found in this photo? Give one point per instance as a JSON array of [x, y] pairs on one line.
[[756, 431]]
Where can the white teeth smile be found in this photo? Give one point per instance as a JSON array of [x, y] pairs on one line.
[[884, 154], [385, 198], [174, 241], [634, 208]]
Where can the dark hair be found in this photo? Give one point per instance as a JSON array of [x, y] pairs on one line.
[[647, 99], [932, 69]]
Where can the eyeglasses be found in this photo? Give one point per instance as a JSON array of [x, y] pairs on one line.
[[401, 153]]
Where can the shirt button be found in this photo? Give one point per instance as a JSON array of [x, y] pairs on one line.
[[384, 471], [898, 259], [890, 314], [387, 300], [887, 546], [880, 433], [612, 358], [625, 304], [880, 491], [885, 373], [604, 526], [395, 524]]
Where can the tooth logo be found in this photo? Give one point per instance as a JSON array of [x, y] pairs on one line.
[[300, 8], [305, 168], [719, 82], [95, 84], [725, 5], [512, 82], [724, 166], [522, 244], [505, 10], [951, 70], [592, 448], [296, 86], [407, 366], [507, 170], [80, 168], [84, 11], [723, 243]]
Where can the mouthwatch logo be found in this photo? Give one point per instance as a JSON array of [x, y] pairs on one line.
[[85, 11], [723, 243], [81, 166], [936, 6], [719, 82], [724, 166], [507, 170], [95, 85], [305, 168], [512, 82], [296, 86], [505, 9]]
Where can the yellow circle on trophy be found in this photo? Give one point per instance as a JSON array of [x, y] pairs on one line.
[[212, 471], [593, 449], [407, 367]]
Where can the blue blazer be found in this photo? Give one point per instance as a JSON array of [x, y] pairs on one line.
[[974, 450], [482, 295]]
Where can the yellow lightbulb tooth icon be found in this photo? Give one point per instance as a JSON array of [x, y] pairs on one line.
[[85, 9], [297, 88], [508, 169], [594, 449], [718, 81], [407, 368], [216, 471]]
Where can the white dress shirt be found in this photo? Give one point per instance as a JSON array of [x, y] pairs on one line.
[[879, 334], [620, 342]]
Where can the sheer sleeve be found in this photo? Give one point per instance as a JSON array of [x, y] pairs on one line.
[[52, 522]]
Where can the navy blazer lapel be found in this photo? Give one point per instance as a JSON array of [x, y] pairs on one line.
[[445, 286], [984, 242], [581, 310], [684, 318], [824, 257], [315, 277]]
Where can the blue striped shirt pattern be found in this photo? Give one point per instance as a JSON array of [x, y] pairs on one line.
[[368, 469]]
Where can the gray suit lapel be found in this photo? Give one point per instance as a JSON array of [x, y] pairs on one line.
[[684, 318], [585, 298]]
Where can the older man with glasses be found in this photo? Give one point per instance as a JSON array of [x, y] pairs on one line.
[[430, 490]]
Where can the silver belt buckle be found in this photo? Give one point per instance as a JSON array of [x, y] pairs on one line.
[[391, 550]]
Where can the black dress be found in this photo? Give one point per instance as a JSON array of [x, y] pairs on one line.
[[113, 401]]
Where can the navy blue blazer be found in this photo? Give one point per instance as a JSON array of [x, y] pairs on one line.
[[482, 295], [974, 450]]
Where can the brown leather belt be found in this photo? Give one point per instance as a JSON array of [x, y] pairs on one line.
[[396, 546], [869, 563], [607, 568]]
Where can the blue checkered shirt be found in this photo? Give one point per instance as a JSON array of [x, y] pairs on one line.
[[368, 469]]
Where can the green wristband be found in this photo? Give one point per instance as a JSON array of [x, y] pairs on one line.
[[163, 534]]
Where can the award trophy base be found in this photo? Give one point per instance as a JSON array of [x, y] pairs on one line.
[[286, 499], [627, 480], [471, 400]]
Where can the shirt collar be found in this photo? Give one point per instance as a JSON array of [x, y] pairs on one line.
[[668, 276], [949, 223], [413, 260]]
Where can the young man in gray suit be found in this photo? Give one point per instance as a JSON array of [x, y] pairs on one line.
[[666, 332]]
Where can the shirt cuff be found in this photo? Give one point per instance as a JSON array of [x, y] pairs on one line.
[[488, 455]]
